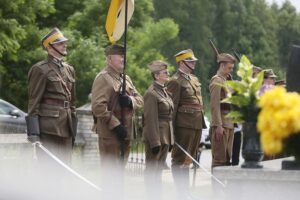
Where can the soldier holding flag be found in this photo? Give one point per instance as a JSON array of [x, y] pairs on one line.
[[108, 105]]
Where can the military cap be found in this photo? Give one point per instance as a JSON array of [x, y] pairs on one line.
[[186, 55], [268, 73], [157, 65], [53, 37], [225, 57], [114, 49], [256, 69]]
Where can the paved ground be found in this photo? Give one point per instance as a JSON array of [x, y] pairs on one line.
[[19, 178], [18, 175]]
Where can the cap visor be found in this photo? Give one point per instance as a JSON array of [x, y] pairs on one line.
[[59, 40]]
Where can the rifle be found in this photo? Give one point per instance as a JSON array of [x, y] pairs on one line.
[[214, 47], [216, 54], [236, 54]]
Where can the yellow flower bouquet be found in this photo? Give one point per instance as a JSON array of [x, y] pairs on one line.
[[279, 122]]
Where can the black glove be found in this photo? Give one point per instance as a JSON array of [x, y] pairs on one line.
[[33, 138], [125, 101], [121, 132], [155, 150]]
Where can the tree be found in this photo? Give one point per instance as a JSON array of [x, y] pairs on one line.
[[83, 23], [19, 41], [288, 30]]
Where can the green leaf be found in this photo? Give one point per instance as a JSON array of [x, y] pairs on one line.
[[237, 86], [245, 60], [236, 116], [258, 82], [239, 100]]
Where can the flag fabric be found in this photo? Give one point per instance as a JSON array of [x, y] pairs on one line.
[[115, 20]]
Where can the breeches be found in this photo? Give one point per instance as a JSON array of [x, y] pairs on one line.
[[221, 150], [189, 140], [110, 151]]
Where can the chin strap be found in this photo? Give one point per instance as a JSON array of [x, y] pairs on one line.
[[187, 65], [55, 49]]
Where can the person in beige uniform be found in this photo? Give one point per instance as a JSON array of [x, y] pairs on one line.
[[221, 130], [108, 105], [188, 117], [158, 127], [51, 91]]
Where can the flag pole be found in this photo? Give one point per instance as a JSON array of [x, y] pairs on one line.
[[124, 79], [125, 47]]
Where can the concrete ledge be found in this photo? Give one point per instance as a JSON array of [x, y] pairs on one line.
[[270, 182], [270, 172], [237, 173]]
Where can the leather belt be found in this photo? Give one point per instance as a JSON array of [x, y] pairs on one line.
[[56, 102], [166, 117], [191, 106]]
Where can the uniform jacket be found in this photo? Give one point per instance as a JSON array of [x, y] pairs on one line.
[[188, 104], [217, 94], [158, 112], [45, 83], [105, 103]]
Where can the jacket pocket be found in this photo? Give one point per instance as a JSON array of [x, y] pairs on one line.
[[49, 121], [49, 113], [54, 84]]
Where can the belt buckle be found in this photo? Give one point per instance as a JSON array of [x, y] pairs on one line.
[[66, 104]]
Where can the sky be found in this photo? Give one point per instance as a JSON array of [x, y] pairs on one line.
[[295, 3]]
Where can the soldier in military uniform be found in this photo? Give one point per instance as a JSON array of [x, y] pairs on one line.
[[158, 111], [108, 105], [188, 117], [158, 127], [51, 91], [221, 129]]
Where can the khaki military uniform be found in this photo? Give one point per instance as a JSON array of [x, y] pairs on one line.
[[51, 91], [158, 127], [107, 110], [221, 150], [188, 117]]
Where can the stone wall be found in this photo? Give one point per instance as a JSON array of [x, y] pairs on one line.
[[86, 143]]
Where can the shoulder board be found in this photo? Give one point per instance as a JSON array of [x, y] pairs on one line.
[[103, 72], [43, 62], [217, 78], [42, 66], [214, 77]]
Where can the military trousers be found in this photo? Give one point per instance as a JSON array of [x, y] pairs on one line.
[[113, 166], [156, 162], [48, 174], [221, 150], [189, 140], [110, 152]]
